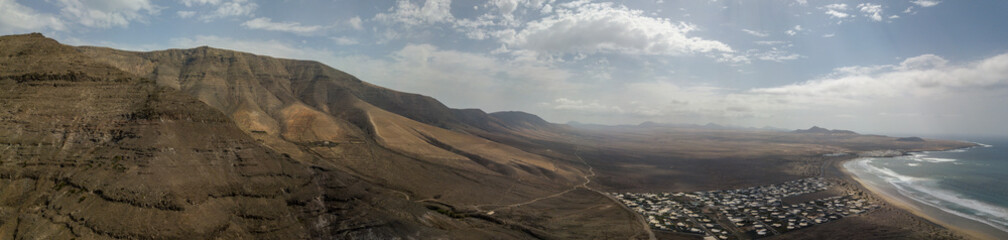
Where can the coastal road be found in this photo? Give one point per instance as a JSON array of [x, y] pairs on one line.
[[640, 219], [588, 180]]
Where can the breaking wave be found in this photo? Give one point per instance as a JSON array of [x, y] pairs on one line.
[[923, 157], [925, 191]]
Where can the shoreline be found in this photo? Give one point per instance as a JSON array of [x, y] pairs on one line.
[[962, 225]]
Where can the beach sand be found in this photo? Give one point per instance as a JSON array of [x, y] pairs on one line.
[[889, 196], [887, 222]]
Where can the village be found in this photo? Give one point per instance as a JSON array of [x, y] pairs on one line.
[[748, 213]]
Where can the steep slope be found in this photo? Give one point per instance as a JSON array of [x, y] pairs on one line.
[[264, 96], [408, 143], [95, 152]]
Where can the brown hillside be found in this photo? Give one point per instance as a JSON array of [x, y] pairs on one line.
[[85, 157], [408, 143], [207, 143]]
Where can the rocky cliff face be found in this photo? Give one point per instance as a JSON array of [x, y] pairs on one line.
[[292, 105], [86, 155], [207, 143]]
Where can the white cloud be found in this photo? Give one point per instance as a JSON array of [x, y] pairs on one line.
[[190, 3], [233, 8], [506, 7], [773, 54], [777, 55], [925, 3], [770, 42], [505, 15], [836, 10], [872, 11], [582, 27], [794, 31], [264, 23], [356, 23], [345, 41], [926, 61], [734, 58], [408, 14], [16, 18], [837, 6], [836, 14], [582, 106], [216, 9], [106, 14], [185, 14], [829, 35], [440, 73], [917, 85], [922, 76], [755, 33], [475, 28], [658, 100]]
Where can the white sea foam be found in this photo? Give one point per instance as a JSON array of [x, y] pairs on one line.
[[888, 174], [913, 164], [924, 157], [982, 211], [921, 157], [923, 190], [981, 144], [938, 160]]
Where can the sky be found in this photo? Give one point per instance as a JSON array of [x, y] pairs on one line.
[[925, 67]]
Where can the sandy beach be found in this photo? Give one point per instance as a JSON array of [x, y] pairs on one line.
[[889, 194]]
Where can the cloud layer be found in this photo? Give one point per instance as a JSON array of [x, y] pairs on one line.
[[406, 13], [110, 13], [268, 24], [606, 27], [15, 17]]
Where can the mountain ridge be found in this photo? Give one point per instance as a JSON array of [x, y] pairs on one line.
[[819, 130], [337, 127]]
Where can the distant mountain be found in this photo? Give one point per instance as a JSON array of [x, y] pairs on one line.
[[910, 139], [713, 126], [776, 129], [819, 130], [520, 120]]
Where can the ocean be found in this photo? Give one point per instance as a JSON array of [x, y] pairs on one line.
[[965, 183]]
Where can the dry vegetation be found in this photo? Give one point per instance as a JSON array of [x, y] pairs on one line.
[[222, 144]]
